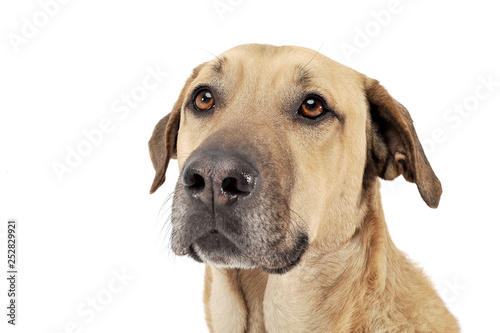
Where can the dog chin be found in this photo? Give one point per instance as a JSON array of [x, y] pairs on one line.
[[218, 251], [220, 259]]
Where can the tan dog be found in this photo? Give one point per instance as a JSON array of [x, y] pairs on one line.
[[280, 150]]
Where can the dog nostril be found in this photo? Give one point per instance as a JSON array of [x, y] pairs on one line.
[[233, 186], [195, 182], [198, 182]]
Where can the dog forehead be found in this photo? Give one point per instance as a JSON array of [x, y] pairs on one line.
[[275, 58], [264, 61], [266, 54]]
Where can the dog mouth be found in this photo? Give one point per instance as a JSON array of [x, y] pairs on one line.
[[215, 249]]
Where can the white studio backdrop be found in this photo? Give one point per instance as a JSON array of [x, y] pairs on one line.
[[95, 77]]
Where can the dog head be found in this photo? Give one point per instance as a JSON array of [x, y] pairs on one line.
[[275, 145]]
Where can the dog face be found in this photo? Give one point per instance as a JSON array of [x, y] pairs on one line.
[[280, 148]]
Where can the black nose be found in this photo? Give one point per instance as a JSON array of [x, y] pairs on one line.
[[219, 178]]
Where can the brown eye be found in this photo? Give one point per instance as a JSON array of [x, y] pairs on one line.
[[311, 107], [204, 100]]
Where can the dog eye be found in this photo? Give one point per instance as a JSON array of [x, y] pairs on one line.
[[204, 100], [312, 107]]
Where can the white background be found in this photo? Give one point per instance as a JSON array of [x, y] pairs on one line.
[[100, 220]]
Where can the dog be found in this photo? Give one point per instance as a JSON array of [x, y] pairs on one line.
[[280, 151]]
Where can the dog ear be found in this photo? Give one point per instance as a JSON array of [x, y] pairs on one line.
[[163, 142], [162, 146], [395, 148]]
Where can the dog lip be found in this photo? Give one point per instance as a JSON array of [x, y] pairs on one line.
[[294, 259], [300, 249], [192, 253], [214, 248], [180, 250], [284, 269], [210, 236]]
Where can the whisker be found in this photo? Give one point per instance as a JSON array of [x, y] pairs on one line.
[[214, 55], [166, 227], [220, 271], [314, 56]]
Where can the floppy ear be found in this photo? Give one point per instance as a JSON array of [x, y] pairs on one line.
[[163, 142], [395, 148], [162, 146]]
